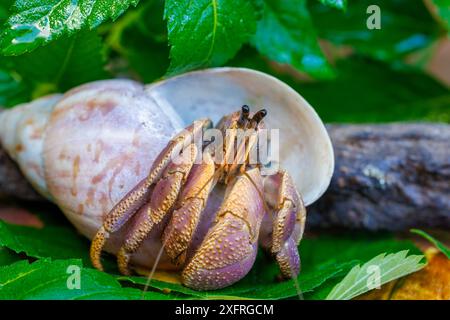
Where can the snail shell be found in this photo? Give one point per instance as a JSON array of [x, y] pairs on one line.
[[86, 149]]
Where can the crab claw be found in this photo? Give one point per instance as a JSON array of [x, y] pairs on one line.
[[283, 227], [229, 249]]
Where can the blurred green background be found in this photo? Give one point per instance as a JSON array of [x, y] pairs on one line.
[[323, 49]]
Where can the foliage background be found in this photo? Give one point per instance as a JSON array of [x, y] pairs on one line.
[[323, 49]]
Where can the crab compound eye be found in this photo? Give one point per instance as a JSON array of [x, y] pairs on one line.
[[245, 109], [244, 115]]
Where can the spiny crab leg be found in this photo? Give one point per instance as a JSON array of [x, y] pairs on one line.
[[229, 249], [138, 196], [163, 197], [287, 219], [182, 226]]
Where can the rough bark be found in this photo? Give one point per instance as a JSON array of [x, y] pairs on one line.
[[13, 183], [387, 177]]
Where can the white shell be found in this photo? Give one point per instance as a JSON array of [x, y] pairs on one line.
[[22, 134], [101, 140], [305, 147]]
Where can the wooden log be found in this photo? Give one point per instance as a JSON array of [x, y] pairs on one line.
[[387, 177]]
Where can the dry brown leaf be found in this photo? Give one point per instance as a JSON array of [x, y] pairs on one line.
[[19, 216]]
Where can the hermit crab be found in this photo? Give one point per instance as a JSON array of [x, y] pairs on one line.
[[107, 153]]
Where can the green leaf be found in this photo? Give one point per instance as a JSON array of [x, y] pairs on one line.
[[286, 34], [207, 32], [251, 288], [360, 94], [58, 239], [390, 267], [4, 10], [307, 281], [46, 279], [7, 256], [338, 4], [56, 242], [443, 11], [347, 247], [323, 259], [13, 90], [63, 64], [34, 23], [404, 27], [140, 38], [444, 249]]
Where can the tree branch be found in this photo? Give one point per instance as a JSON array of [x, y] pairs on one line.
[[387, 177]]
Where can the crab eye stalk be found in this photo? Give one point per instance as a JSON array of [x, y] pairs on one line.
[[259, 115], [245, 112]]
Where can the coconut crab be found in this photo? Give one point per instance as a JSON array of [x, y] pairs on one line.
[[91, 150]]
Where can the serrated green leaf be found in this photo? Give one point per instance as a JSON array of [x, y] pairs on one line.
[[404, 27], [443, 248], [307, 282], [338, 4], [324, 259], [56, 242], [346, 247], [256, 285], [46, 279], [207, 32], [34, 23], [7, 256], [360, 94], [286, 34], [140, 38], [390, 267], [58, 239], [62, 65]]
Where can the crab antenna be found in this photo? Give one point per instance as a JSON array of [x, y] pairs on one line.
[[152, 273], [259, 115]]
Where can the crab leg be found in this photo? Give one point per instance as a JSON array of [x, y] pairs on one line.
[[229, 249], [181, 228], [138, 196], [163, 197], [287, 222]]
